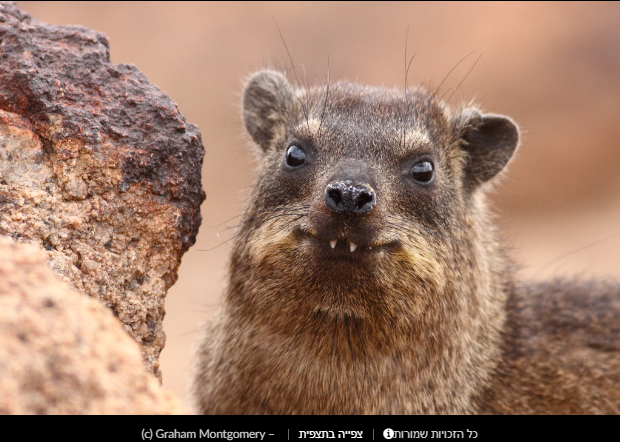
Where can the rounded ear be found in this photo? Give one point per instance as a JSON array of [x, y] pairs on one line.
[[489, 141], [267, 102]]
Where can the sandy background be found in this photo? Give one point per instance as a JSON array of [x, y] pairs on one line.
[[554, 68]]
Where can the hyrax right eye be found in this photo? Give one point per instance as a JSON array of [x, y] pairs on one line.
[[295, 157]]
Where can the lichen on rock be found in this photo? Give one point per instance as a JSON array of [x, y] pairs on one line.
[[98, 167]]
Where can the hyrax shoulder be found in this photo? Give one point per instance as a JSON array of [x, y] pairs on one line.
[[366, 276]]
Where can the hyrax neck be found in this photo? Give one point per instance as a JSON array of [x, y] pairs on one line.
[[426, 350]]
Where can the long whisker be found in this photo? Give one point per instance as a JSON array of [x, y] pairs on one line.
[[262, 221], [405, 226], [446, 91], [305, 109], [251, 231], [265, 209], [407, 66], [466, 75], [305, 91], [451, 70], [326, 98]]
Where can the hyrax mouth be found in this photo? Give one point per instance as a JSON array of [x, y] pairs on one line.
[[351, 245], [365, 244]]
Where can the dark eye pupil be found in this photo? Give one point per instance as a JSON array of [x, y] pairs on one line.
[[295, 156], [422, 171]]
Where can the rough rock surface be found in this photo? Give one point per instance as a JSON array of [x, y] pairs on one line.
[[63, 353], [98, 167]]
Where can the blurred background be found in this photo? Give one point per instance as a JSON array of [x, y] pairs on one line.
[[553, 67]]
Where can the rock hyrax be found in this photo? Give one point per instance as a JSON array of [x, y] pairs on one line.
[[367, 277]]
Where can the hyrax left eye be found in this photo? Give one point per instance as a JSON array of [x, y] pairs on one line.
[[295, 156], [423, 172]]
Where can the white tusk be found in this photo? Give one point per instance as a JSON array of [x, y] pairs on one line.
[[353, 247], [333, 243]]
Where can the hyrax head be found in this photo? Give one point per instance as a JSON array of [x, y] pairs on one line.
[[367, 177]]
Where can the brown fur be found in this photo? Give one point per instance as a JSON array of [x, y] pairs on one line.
[[426, 316]]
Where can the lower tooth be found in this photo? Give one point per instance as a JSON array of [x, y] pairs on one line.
[[353, 247]]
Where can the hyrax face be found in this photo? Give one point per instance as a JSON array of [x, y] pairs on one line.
[[364, 192]]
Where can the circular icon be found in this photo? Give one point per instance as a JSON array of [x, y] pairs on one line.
[[388, 433]]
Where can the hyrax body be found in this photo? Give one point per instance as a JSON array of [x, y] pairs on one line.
[[366, 276]]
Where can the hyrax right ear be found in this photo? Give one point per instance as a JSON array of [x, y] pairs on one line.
[[489, 140], [267, 103]]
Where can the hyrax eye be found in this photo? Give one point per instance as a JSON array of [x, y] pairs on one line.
[[295, 156], [423, 172]]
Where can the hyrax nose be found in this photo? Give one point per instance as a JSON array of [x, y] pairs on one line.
[[345, 197]]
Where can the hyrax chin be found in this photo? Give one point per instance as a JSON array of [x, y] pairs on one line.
[[366, 276]]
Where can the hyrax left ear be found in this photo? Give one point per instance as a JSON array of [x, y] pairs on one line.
[[267, 103], [489, 141]]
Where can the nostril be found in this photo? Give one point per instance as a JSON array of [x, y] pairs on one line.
[[335, 195], [363, 199]]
